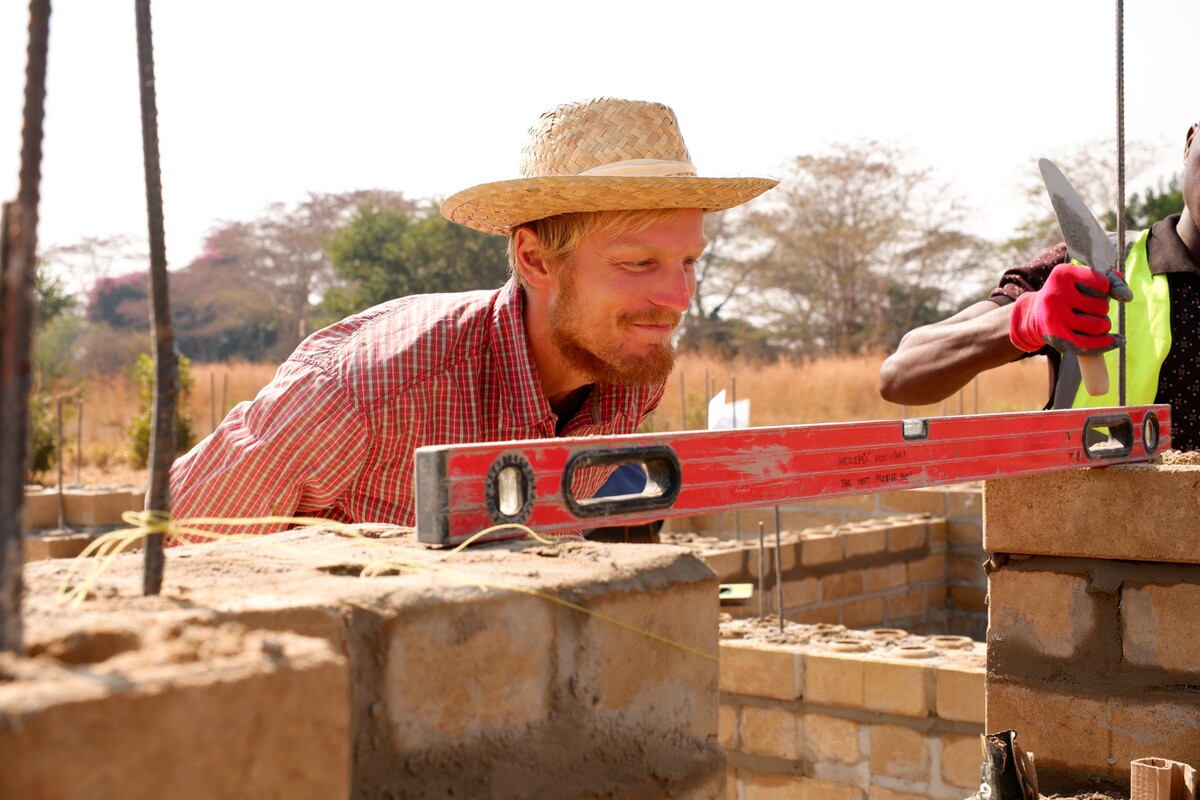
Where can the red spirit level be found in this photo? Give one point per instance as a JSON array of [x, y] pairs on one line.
[[462, 489]]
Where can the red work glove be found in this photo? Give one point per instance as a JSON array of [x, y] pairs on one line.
[[1069, 313]]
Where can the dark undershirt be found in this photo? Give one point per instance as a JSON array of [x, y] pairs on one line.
[[1179, 378]]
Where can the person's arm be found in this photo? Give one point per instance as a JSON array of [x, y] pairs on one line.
[[291, 451], [935, 361]]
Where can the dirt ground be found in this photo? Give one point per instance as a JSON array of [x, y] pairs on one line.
[[93, 476]]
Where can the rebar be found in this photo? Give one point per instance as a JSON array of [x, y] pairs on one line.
[[762, 581], [166, 377], [1121, 191], [18, 259], [778, 570]]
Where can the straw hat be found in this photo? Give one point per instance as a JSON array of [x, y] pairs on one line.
[[599, 155]]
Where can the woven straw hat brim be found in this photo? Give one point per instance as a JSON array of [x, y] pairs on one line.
[[499, 207]]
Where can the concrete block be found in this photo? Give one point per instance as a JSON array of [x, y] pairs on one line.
[[930, 568], [899, 752], [45, 544], [760, 669], [960, 533], [1064, 732], [914, 501], [832, 740], [935, 597], [939, 535], [1048, 611], [800, 592], [730, 564], [968, 598], [209, 713], [967, 569], [908, 535], [864, 613], [1158, 726], [822, 615], [773, 732], [960, 693], [962, 759], [896, 687], [100, 507], [765, 786], [818, 549], [1158, 626], [865, 542], [832, 679], [907, 605], [1072, 513], [727, 727], [964, 500], [841, 585], [40, 510], [888, 576]]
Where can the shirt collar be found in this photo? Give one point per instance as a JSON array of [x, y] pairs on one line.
[[1165, 251]]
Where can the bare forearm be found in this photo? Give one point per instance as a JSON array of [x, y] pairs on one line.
[[935, 361]]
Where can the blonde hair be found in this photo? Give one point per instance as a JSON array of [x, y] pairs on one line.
[[559, 236]]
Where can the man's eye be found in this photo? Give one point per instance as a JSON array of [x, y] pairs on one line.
[[638, 264]]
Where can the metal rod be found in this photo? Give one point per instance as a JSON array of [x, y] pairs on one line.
[[762, 581], [778, 571], [18, 254], [166, 378], [58, 452], [1121, 190], [79, 444]]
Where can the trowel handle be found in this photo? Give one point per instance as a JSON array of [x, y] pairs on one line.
[[1095, 374]]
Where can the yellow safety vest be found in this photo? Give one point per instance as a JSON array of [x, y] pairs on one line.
[[1147, 340]]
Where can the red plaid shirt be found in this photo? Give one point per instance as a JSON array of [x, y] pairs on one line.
[[333, 434]]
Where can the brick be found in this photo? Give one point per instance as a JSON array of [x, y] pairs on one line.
[[727, 727], [929, 568], [758, 669], [864, 613], [960, 534], [855, 502], [907, 605], [880, 793], [1158, 626], [1097, 513], [729, 564], [914, 501], [865, 542], [938, 535], [960, 693], [834, 680], [822, 615], [799, 592], [908, 535], [1154, 726], [965, 501], [773, 732], [1064, 732], [90, 508], [831, 740], [820, 549], [968, 598], [899, 752], [788, 553], [40, 510], [935, 596], [888, 576], [967, 569], [896, 687], [47, 544], [731, 784], [1048, 611], [962, 759], [841, 585], [763, 786]]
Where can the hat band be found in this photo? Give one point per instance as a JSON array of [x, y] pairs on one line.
[[644, 168]]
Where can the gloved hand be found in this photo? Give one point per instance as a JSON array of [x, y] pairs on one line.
[[1069, 313]]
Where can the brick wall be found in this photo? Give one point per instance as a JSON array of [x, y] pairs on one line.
[[860, 715]]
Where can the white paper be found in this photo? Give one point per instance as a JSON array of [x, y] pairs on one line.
[[724, 416]]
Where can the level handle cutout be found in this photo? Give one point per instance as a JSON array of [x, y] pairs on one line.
[[664, 477], [1108, 436]]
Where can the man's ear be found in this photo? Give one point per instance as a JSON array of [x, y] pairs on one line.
[[530, 260], [1191, 134]]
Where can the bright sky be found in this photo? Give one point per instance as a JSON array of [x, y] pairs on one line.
[[265, 100]]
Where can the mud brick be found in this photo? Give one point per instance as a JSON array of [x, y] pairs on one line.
[[831, 739], [759, 669], [833, 679], [962, 758], [907, 605], [914, 501], [764, 786], [817, 549], [908, 535], [864, 613], [1064, 732], [773, 732], [1158, 626], [888, 576], [899, 752], [865, 542], [1050, 612], [960, 693], [930, 568], [841, 585], [896, 687]]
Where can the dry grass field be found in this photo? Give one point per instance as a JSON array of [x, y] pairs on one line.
[[784, 393]]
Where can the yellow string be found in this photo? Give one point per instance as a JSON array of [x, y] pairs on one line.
[[106, 547]]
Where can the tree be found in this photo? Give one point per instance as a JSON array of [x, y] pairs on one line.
[[1143, 211], [384, 253], [847, 232]]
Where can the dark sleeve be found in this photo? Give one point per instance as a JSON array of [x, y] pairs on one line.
[[1028, 277]]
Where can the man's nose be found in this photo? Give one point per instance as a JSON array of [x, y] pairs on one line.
[[675, 288]]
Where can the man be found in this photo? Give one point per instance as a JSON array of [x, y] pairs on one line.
[[1049, 301], [604, 228]]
